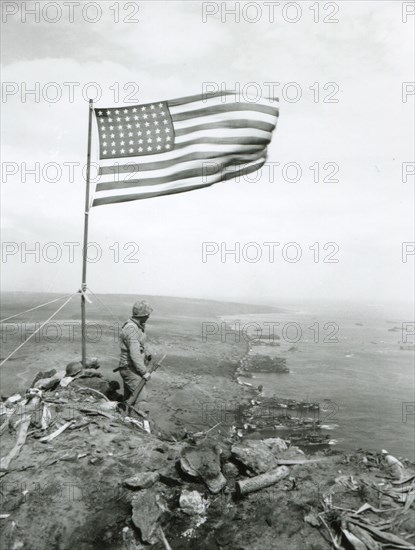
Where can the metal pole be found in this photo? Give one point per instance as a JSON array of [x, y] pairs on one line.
[[84, 251]]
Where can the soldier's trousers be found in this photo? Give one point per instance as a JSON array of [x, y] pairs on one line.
[[131, 380]]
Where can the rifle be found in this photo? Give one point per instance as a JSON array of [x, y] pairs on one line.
[[141, 385]]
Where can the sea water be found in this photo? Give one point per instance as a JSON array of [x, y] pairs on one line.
[[350, 358]]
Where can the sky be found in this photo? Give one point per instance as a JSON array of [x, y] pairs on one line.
[[339, 73]]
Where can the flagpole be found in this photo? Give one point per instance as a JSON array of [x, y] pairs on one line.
[[84, 250]]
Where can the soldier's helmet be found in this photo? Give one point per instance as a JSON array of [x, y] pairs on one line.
[[142, 309], [73, 368]]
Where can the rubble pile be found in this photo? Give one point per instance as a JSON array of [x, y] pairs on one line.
[[76, 472]]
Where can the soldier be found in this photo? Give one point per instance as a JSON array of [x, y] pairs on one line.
[[134, 353]]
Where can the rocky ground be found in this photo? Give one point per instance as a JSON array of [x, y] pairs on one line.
[[104, 482]]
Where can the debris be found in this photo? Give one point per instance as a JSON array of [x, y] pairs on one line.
[[49, 383], [253, 484], [192, 503], [57, 432], [46, 417], [4, 516], [146, 514], [20, 441], [355, 542], [13, 399], [312, 519], [347, 482], [383, 536], [364, 536], [396, 468], [66, 380], [143, 480], [163, 538], [204, 461]]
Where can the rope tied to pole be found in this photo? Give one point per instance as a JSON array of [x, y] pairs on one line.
[[37, 330], [33, 308]]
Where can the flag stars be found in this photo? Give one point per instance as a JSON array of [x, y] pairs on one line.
[[143, 129]]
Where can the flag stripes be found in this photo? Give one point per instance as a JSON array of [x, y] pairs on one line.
[[216, 137]]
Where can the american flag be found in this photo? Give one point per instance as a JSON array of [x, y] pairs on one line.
[[179, 145]]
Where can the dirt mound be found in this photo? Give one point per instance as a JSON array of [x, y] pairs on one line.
[[77, 473]]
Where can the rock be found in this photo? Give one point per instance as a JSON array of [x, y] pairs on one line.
[[203, 462], [276, 444], [146, 513], [192, 503], [144, 480], [230, 470], [170, 476], [292, 453], [255, 455]]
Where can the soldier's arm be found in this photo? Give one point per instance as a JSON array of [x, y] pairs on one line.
[[136, 355]]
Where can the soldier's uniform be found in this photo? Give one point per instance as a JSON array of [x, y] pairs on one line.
[[135, 354]]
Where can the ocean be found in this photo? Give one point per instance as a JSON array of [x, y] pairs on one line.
[[351, 358]]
